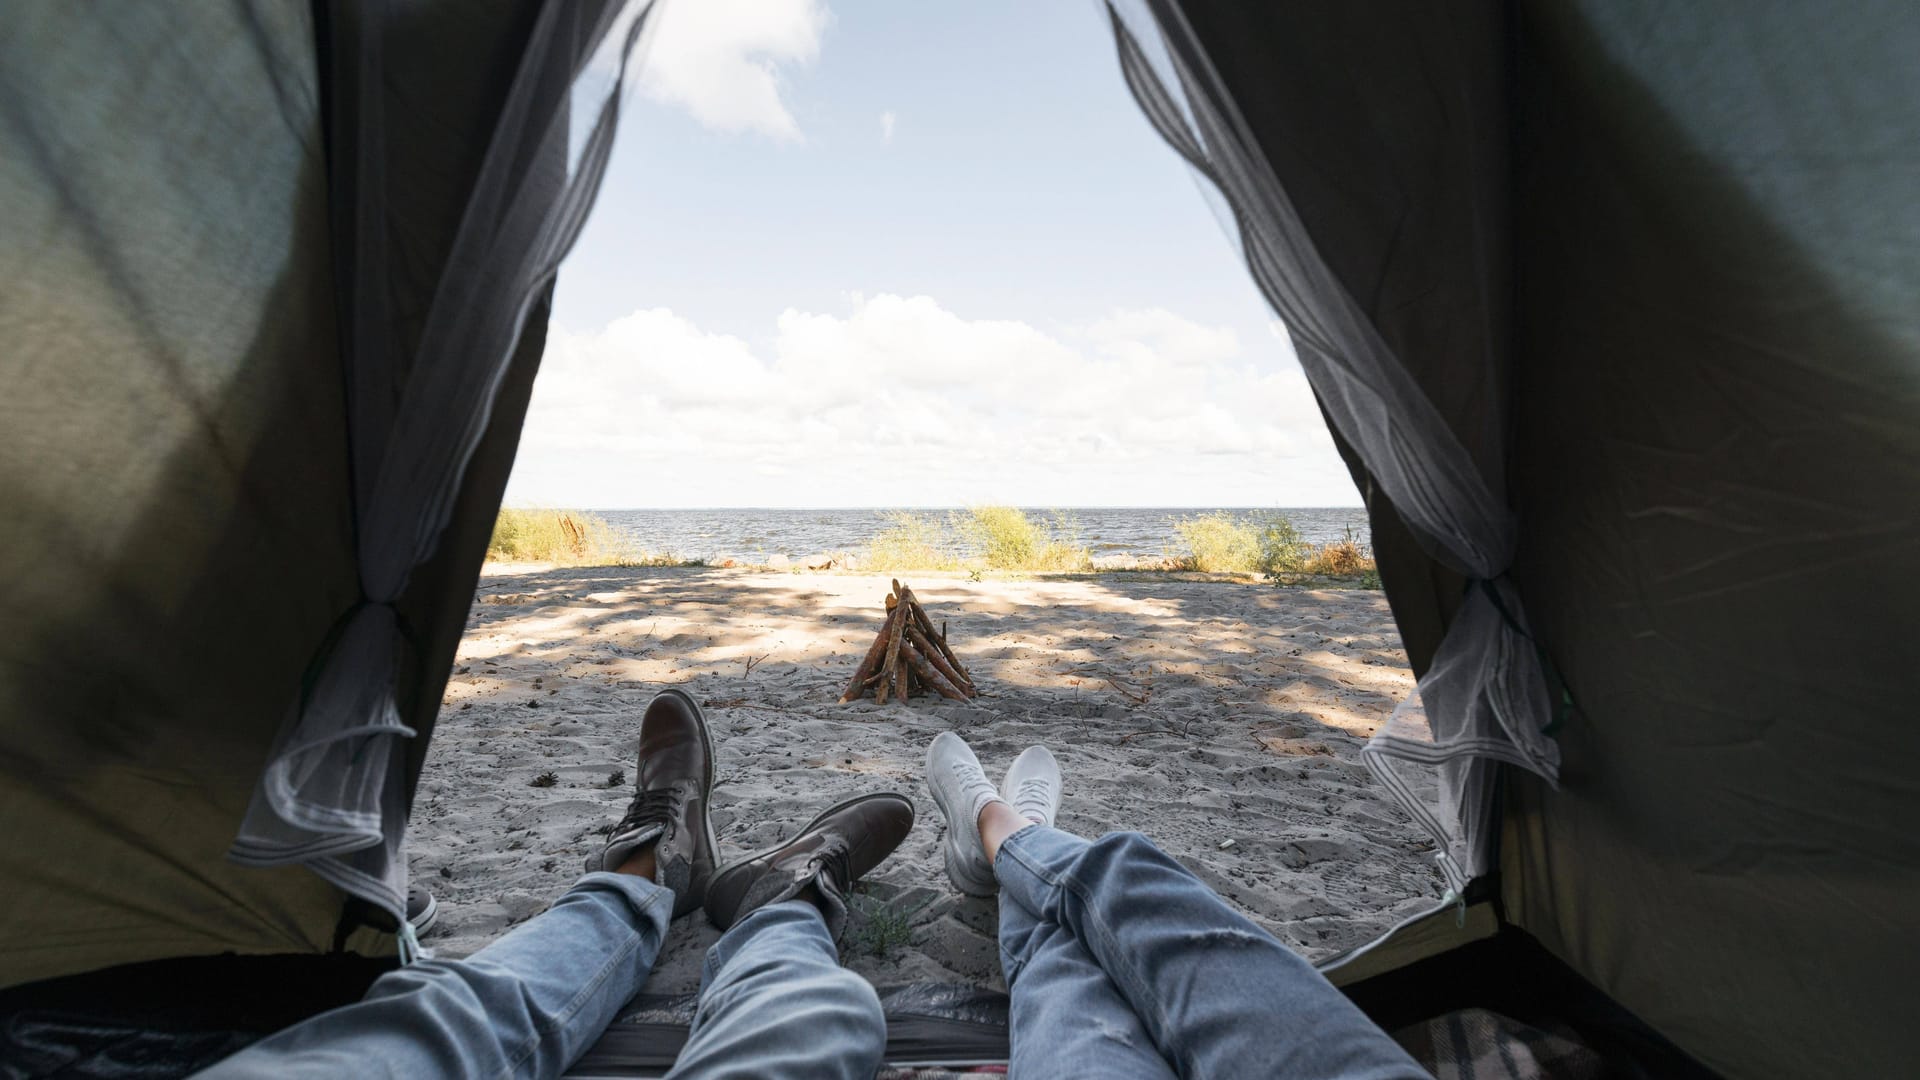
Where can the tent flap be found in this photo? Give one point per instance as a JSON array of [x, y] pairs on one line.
[[334, 795], [1483, 698]]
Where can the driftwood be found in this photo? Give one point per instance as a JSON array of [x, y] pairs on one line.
[[909, 657], [954, 669]]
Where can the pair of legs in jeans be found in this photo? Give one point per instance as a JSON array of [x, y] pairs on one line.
[[1120, 963]]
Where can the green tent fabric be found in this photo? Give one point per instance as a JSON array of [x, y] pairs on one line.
[[1656, 267], [1634, 285], [229, 234], [1717, 393]]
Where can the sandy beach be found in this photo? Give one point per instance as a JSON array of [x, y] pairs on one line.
[[1225, 720]]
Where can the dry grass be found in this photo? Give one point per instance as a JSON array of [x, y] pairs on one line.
[[565, 538], [1267, 544], [1218, 544], [980, 538], [1007, 539], [1343, 558], [910, 542], [1222, 543]]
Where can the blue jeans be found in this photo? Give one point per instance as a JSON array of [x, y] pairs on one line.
[[1122, 964], [774, 1000]]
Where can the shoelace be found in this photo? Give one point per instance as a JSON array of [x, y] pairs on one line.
[[1033, 798], [970, 777], [836, 861], [650, 808]]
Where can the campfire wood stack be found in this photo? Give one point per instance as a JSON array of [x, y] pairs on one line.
[[909, 656]]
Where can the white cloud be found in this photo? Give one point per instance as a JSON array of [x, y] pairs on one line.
[[898, 401], [722, 60], [886, 126]]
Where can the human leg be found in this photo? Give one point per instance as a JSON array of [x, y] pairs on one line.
[[1217, 995], [526, 1005], [774, 1000], [1066, 1017], [532, 1002]]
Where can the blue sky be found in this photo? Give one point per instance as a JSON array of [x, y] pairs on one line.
[[850, 254]]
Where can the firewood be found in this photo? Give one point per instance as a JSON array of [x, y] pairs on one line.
[[909, 657], [861, 675], [926, 627], [932, 677], [896, 633], [937, 661]]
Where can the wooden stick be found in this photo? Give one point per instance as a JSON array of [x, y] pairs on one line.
[[926, 627], [893, 667], [902, 688], [938, 661], [932, 677], [861, 675]]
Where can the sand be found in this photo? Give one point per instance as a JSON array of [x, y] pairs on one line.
[[1225, 720]]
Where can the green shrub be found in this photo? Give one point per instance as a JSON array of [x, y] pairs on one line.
[[1282, 552], [910, 542], [1007, 539], [1290, 559], [881, 933], [981, 538], [1219, 543], [1223, 543]]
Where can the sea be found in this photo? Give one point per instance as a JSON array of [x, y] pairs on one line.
[[751, 534]]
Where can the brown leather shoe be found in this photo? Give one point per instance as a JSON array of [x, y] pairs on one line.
[[831, 852], [674, 782]]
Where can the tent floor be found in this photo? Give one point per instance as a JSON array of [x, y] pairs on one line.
[[174, 1016], [1513, 975]]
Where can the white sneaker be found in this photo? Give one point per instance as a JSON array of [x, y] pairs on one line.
[[1033, 786], [961, 790]]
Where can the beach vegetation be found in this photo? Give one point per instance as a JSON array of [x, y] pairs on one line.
[[1269, 545], [882, 932], [1282, 551], [1266, 543], [911, 542], [977, 539], [566, 538], [1219, 543], [1342, 558], [876, 925], [1005, 538]]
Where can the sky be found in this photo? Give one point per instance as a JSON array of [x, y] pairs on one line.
[[887, 254]]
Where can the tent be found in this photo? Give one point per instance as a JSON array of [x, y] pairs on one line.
[[1608, 305]]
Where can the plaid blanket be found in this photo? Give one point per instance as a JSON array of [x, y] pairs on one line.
[[1475, 1044]]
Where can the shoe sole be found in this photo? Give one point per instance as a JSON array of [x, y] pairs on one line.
[[800, 832], [958, 872], [424, 921]]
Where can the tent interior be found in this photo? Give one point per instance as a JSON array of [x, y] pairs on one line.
[[1609, 305]]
